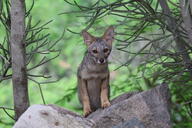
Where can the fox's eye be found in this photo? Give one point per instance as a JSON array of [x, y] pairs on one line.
[[105, 50], [94, 51]]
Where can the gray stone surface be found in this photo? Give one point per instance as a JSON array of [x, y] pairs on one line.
[[148, 109], [50, 116]]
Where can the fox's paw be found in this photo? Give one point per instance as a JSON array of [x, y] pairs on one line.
[[105, 104], [87, 111]]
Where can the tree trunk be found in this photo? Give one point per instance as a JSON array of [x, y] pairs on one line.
[[180, 43], [17, 38], [185, 12]]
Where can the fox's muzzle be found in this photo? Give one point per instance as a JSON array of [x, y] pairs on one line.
[[101, 61]]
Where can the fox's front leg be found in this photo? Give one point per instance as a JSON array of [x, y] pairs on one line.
[[104, 93], [85, 98]]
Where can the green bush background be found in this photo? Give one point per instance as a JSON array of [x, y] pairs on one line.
[[64, 68]]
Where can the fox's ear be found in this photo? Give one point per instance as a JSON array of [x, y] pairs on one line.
[[109, 35], [88, 38]]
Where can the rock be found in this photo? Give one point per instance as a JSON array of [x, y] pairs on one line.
[[148, 109], [51, 116]]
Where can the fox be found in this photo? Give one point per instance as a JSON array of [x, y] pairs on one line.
[[93, 72]]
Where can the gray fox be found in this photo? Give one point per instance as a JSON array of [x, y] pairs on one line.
[[93, 72]]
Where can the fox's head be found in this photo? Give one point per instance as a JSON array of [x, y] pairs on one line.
[[99, 48]]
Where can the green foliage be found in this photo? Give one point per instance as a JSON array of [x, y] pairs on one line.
[[64, 68]]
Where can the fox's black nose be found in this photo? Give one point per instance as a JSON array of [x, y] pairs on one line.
[[101, 60]]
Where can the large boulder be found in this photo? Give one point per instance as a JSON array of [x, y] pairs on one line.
[[147, 109]]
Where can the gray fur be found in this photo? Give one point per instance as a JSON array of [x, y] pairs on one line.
[[93, 72]]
